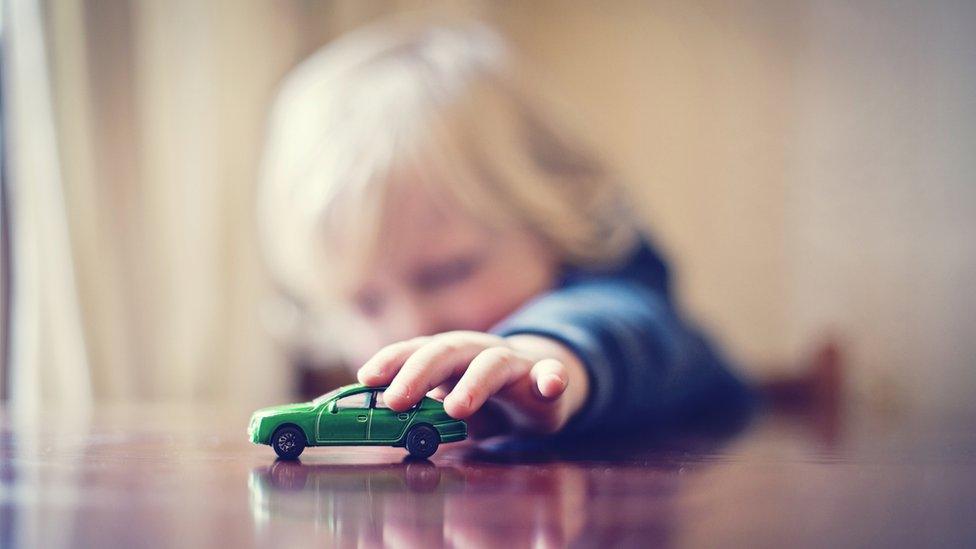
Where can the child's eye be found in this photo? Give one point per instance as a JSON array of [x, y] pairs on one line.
[[368, 304], [436, 276]]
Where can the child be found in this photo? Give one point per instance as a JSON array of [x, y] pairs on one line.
[[412, 179]]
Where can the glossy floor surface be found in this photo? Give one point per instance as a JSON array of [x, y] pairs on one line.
[[176, 478]]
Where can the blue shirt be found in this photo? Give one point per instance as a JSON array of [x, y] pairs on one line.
[[648, 367]]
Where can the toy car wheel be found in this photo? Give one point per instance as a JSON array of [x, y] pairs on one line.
[[422, 441], [288, 442]]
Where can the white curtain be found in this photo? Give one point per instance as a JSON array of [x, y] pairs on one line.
[[48, 358]]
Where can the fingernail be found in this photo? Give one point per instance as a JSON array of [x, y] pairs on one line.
[[458, 404], [549, 384], [462, 399]]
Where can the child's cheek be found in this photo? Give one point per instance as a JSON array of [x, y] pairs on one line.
[[361, 341], [482, 302]]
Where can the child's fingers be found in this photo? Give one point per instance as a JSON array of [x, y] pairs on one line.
[[434, 363], [489, 372], [442, 390], [439, 392], [549, 378], [381, 368]]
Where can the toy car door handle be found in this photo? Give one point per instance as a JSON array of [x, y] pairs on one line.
[[360, 418], [401, 416]]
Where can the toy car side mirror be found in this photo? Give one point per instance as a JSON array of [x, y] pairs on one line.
[[332, 408]]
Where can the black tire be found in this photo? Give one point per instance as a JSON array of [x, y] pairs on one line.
[[422, 441], [288, 442]]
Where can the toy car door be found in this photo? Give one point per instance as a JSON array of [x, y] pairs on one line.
[[387, 424], [346, 420]]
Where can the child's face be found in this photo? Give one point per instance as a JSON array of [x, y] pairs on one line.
[[437, 270]]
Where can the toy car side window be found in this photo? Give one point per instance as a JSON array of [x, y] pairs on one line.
[[381, 404], [358, 400]]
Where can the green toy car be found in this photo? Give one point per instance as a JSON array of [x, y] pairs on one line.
[[354, 415]]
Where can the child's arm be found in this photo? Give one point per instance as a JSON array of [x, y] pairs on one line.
[[646, 366], [597, 354]]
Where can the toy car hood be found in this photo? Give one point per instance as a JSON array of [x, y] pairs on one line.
[[282, 409]]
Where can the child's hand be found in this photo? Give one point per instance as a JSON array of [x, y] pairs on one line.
[[537, 382]]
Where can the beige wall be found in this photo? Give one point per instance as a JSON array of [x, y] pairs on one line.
[[807, 165], [882, 194]]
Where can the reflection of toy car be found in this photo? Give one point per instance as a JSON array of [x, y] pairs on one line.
[[351, 504], [409, 475], [354, 415]]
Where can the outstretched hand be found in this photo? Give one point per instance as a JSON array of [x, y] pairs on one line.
[[536, 382]]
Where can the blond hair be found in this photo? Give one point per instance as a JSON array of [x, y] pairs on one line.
[[447, 101]]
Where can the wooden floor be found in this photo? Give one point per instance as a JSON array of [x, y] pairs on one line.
[[172, 477]]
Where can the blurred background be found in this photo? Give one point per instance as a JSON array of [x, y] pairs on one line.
[[808, 166]]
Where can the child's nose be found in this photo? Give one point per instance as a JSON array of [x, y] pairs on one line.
[[417, 318], [427, 324]]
